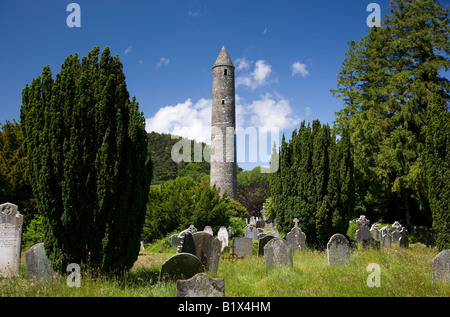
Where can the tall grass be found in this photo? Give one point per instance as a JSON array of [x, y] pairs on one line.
[[403, 272]]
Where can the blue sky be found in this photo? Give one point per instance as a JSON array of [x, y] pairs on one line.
[[287, 54]]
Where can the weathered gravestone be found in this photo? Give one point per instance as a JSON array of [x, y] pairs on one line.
[[180, 266], [441, 267], [243, 247], [363, 233], [386, 237], [187, 244], [403, 241], [262, 243], [251, 232], [278, 252], [396, 234], [10, 239], [209, 230], [338, 250], [296, 238], [207, 250], [201, 285], [375, 232], [37, 263], [222, 235], [175, 240]]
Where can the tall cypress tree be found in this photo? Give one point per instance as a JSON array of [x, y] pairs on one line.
[[87, 153]]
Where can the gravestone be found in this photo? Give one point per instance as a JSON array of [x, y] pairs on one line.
[[175, 240], [262, 243], [338, 250], [396, 234], [386, 237], [251, 232], [207, 250], [209, 230], [180, 266], [37, 263], [278, 252], [10, 239], [222, 235], [375, 232], [188, 245], [403, 241], [296, 238], [201, 285], [441, 267], [363, 233], [243, 247]]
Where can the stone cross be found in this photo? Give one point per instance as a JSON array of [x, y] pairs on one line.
[[363, 233], [10, 239], [296, 223]]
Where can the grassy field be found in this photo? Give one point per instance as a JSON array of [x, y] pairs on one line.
[[403, 273]]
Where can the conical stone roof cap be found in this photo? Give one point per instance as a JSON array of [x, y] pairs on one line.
[[223, 59]]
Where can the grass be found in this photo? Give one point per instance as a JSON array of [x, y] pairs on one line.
[[403, 273]]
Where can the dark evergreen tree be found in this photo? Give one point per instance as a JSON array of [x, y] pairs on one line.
[[87, 153], [387, 82]]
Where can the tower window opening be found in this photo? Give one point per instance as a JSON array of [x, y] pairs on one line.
[[225, 72], [223, 101]]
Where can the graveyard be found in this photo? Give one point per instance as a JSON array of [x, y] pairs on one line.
[[401, 272]]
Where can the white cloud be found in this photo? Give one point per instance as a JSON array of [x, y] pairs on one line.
[[189, 120], [265, 31], [299, 69], [270, 112], [128, 50], [163, 62], [242, 64], [257, 78]]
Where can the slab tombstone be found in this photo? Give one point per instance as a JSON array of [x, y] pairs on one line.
[[37, 263], [262, 243], [180, 266], [243, 247], [441, 267], [296, 238], [209, 230], [207, 250], [222, 235], [386, 237], [201, 285], [338, 250], [10, 239], [403, 241], [278, 252], [375, 232], [251, 232]]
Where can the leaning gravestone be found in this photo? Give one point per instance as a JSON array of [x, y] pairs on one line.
[[201, 285], [180, 266], [338, 250], [222, 235], [278, 252], [243, 247], [441, 266], [296, 238], [10, 239], [207, 250], [37, 263]]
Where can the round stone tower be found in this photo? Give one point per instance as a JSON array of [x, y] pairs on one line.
[[223, 126]]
